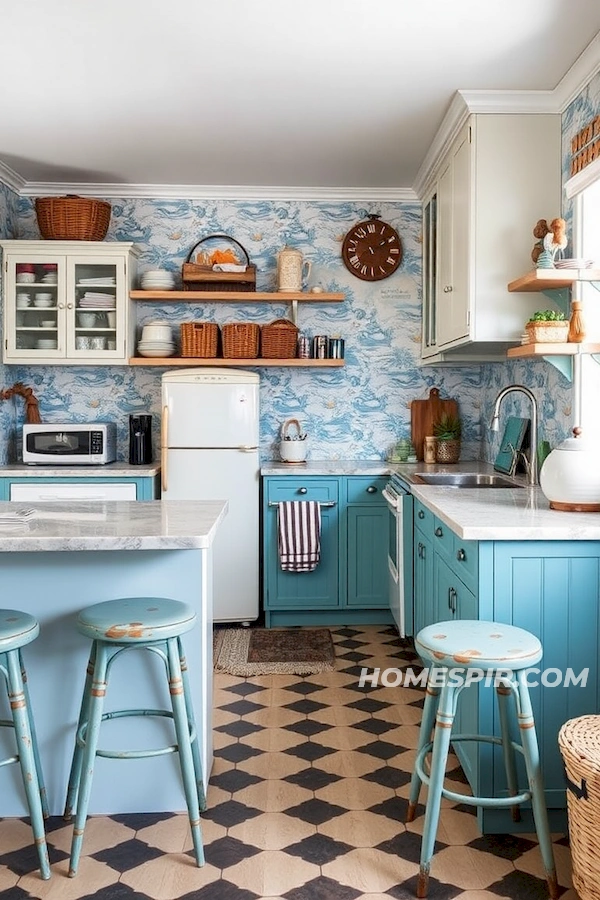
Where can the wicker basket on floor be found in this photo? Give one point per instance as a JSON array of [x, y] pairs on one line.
[[279, 340], [240, 340], [579, 742], [200, 339], [72, 218]]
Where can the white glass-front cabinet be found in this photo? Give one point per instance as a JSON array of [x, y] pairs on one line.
[[68, 302]]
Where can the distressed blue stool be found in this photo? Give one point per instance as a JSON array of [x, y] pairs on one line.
[[17, 629], [116, 626], [452, 650]]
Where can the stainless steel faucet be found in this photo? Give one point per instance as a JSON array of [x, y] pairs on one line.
[[531, 464]]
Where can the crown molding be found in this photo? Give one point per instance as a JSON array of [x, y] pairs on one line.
[[455, 117], [511, 101], [579, 75], [10, 178], [220, 192]]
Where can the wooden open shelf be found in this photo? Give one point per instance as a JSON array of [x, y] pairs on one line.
[[552, 350], [238, 296], [228, 363], [552, 279]]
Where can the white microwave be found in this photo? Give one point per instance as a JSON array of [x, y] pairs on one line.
[[93, 444]]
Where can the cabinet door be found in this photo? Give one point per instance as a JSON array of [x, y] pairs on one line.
[[302, 590], [367, 548], [34, 307], [96, 298], [423, 582], [430, 276]]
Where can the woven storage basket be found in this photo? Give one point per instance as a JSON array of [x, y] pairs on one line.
[[199, 339], [279, 340], [72, 218], [579, 742], [198, 277], [547, 332], [240, 340]]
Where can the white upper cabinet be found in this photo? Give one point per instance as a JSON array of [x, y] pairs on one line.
[[499, 176], [67, 302]]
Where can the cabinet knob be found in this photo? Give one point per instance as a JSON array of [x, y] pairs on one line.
[[60, 305], [461, 555], [447, 288], [70, 305], [438, 532], [303, 490], [371, 489], [421, 514]]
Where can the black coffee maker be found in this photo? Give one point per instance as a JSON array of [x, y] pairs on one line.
[[140, 440]]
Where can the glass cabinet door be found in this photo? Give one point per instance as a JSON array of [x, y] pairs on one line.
[[35, 307], [95, 320]]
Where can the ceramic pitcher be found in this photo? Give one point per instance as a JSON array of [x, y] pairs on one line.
[[292, 268]]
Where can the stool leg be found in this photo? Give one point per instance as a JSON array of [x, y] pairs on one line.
[[186, 757], [75, 773], [503, 692], [22, 719], [191, 719], [429, 710], [534, 776], [95, 708], [34, 743], [441, 744]]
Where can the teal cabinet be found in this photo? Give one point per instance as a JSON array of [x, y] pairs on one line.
[[550, 588], [350, 583]]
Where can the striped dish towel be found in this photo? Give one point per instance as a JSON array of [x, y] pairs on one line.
[[299, 535]]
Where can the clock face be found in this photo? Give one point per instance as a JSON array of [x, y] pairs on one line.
[[372, 250]]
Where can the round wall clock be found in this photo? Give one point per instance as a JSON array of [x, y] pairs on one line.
[[372, 250]]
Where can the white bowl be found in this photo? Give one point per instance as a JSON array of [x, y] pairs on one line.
[[25, 278], [86, 320], [42, 303], [157, 354], [43, 295], [47, 344], [157, 333]]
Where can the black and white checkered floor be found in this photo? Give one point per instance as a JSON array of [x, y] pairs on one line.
[[307, 802]]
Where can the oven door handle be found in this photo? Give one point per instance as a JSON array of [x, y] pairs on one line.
[[390, 499]]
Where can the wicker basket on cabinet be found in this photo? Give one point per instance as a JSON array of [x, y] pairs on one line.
[[200, 339], [279, 340], [240, 340], [72, 218]]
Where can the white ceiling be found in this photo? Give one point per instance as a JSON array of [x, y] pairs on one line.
[[313, 93]]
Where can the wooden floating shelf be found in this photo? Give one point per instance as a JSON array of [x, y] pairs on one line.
[[552, 350], [228, 363], [552, 279], [238, 296]]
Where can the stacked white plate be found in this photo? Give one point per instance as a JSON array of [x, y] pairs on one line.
[[156, 339], [157, 280], [155, 348], [573, 263]]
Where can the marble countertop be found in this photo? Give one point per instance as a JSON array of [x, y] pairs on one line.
[[331, 467], [113, 525], [112, 470]]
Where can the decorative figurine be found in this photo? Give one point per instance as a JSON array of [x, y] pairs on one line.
[[540, 231], [555, 240]]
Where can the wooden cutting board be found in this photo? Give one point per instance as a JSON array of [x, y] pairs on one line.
[[423, 413]]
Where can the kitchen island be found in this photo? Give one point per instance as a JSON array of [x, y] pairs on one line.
[[69, 557]]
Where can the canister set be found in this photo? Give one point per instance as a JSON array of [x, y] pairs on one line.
[[321, 347]]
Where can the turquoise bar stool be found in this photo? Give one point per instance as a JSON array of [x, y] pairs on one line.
[[117, 626], [17, 629], [452, 651]]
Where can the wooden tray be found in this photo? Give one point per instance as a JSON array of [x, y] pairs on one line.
[[423, 413]]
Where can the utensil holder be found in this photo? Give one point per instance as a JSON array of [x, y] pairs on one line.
[[292, 450]]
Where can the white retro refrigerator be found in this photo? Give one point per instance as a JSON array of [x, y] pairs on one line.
[[209, 442]]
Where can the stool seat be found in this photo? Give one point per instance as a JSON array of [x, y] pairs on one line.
[[136, 619], [465, 643], [16, 629]]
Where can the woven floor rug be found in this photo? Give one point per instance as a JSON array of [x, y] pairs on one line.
[[273, 651]]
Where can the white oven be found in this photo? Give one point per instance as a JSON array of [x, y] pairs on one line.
[[400, 565]]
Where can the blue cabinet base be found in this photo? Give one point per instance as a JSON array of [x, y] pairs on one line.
[[333, 617]]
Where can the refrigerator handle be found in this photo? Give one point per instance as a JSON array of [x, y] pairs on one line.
[[164, 431], [247, 448]]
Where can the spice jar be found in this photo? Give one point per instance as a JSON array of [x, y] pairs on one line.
[[429, 449]]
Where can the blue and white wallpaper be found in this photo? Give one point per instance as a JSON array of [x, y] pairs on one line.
[[359, 411]]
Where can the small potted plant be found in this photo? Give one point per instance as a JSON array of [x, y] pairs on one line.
[[546, 326], [448, 432]]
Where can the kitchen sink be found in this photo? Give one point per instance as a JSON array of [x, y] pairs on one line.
[[465, 480]]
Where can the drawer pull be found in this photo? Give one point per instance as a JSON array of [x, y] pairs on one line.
[[324, 504], [438, 532], [421, 514], [452, 598], [303, 490], [371, 489], [461, 555]]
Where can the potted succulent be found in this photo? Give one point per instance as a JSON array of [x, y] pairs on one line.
[[546, 326], [448, 432]]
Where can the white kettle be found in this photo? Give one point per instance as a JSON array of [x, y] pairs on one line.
[[292, 268], [570, 476]]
